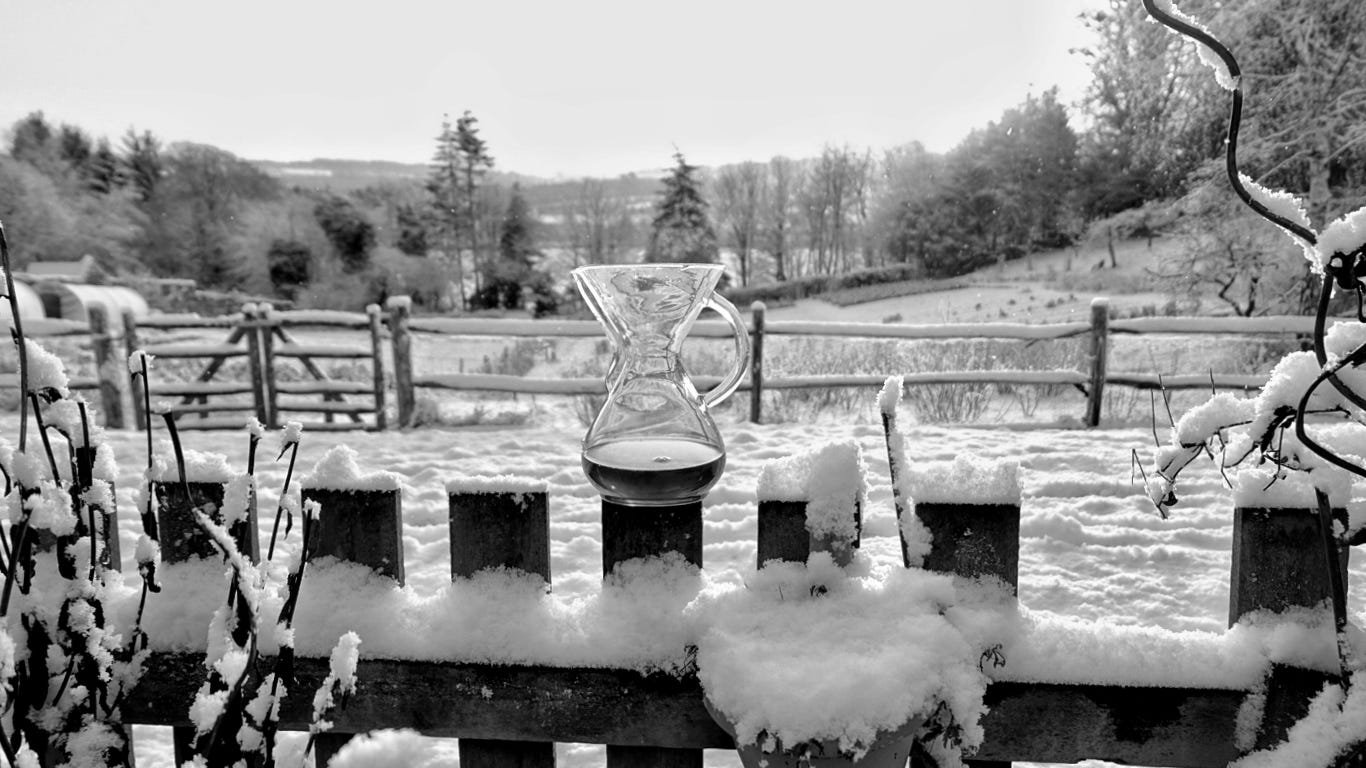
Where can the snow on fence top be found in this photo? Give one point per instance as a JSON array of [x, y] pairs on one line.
[[1276, 488], [496, 484], [966, 480], [830, 478], [337, 470], [200, 466]]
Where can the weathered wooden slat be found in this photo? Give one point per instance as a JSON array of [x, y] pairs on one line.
[[180, 351], [319, 350], [1043, 722], [362, 526], [218, 407], [334, 426], [783, 536], [102, 344], [973, 539], [1277, 564], [197, 388], [333, 387], [1270, 569], [227, 422], [501, 529], [631, 532], [182, 538], [324, 406]]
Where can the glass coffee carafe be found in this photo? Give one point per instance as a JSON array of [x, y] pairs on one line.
[[654, 442]]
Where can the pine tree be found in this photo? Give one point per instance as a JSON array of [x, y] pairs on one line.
[[681, 231], [514, 272], [104, 168], [142, 162], [475, 161], [443, 183]]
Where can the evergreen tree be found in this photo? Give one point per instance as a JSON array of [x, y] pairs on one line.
[[289, 262], [142, 163], [351, 234], [443, 184], [514, 272], [412, 230], [104, 174], [76, 149], [680, 230], [31, 140], [475, 162]]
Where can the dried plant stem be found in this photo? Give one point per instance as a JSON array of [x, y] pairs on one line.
[[13, 298], [280, 508]]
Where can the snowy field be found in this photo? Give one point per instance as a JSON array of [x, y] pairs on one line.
[[1092, 546]]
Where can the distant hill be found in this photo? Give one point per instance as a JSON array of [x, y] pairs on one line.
[[334, 175], [547, 196]]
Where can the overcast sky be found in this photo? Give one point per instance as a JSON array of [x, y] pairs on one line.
[[560, 87]]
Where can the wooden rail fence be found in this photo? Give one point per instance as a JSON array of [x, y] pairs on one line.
[[512, 714], [262, 338]]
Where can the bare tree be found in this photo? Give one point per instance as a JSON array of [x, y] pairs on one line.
[[830, 207], [739, 197], [598, 224], [784, 181]]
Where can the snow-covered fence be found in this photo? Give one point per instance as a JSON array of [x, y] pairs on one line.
[[100, 339], [514, 712], [261, 337], [1099, 331]]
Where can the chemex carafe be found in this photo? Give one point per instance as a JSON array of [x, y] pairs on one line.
[[654, 442]]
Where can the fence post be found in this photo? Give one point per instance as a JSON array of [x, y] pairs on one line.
[[364, 525], [631, 532], [1278, 563], [131, 345], [1100, 350], [500, 523], [756, 362], [251, 316], [111, 394], [399, 309], [377, 363]]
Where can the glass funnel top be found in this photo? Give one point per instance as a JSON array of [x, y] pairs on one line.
[[644, 295]]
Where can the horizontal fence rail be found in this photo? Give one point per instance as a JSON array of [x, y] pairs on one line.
[[396, 328]]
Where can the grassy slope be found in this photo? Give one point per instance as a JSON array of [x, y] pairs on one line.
[[1046, 287]]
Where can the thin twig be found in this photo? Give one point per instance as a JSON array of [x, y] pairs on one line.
[[19, 338]]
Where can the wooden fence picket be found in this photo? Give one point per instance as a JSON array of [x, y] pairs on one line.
[[363, 526], [1274, 568], [500, 523]]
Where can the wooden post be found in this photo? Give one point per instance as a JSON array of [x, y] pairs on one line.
[[182, 538], [500, 522], [260, 353], [377, 363], [108, 519], [631, 532], [973, 540], [399, 339], [1276, 560], [1278, 563], [131, 345], [783, 535], [1100, 351], [362, 526], [756, 362], [111, 394]]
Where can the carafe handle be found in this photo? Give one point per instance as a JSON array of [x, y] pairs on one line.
[[737, 324]]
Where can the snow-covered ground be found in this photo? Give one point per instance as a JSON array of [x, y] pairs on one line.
[[1092, 546]]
